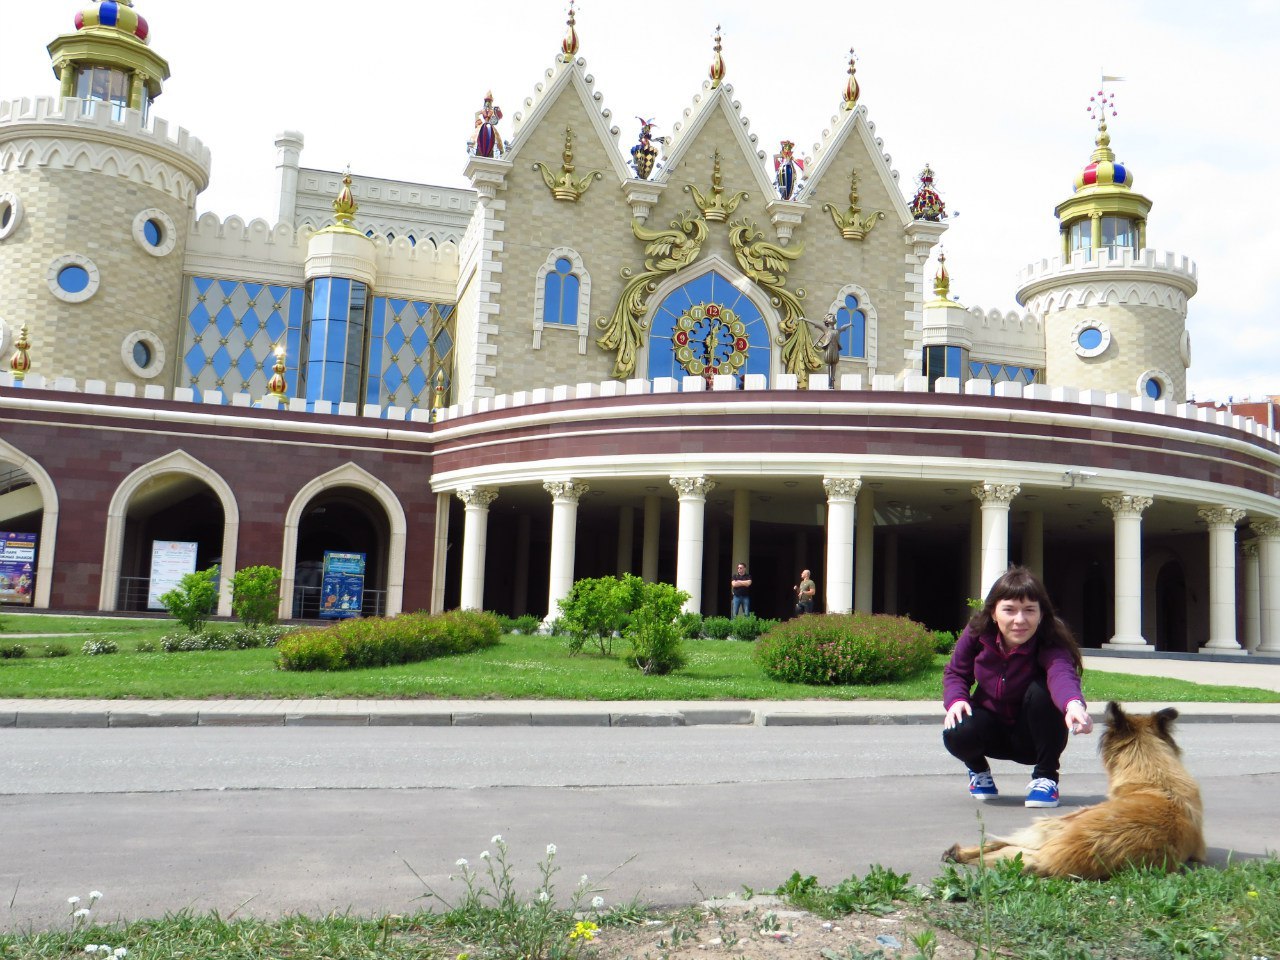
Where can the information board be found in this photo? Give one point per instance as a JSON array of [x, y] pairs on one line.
[[342, 585], [17, 567], [171, 560]]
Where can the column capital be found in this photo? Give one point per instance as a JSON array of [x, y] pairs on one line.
[[477, 496], [1127, 504], [1250, 549], [1265, 529], [1001, 494], [1220, 516], [693, 486], [842, 488], [569, 489]]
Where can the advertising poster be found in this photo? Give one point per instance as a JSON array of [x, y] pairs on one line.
[[342, 586], [171, 560], [17, 567]]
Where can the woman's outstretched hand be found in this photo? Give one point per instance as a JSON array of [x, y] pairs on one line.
[[959, 710], [1077, 718]]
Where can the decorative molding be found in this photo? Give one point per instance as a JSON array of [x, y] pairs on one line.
[[1090, 324], [479, 497], [996, 494], [10, 204], [168, 231], [156, 345], [73, 260], [1265, 529], [1221, 516], [565, 490], [1127, 505], [842, 488], [695, 487]]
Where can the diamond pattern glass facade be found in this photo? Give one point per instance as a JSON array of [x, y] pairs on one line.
[[232, 328], [410, 343]]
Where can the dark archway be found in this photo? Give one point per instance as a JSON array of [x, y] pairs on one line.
[[172, 507], [348, 520], [1171, 608]]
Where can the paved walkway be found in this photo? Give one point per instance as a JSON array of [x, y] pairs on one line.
[[1219, 671]]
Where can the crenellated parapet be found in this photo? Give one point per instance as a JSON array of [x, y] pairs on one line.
[[51, 134], [1149, 277], [234, 248]]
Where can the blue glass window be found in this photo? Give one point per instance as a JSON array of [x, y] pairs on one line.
[[560, 302], [142, 354], [153, 232], [73, 278], [946, 361], [6, 214], [1154, 389], [1089, 338], [334, 344], [710, 288], [853, 342]]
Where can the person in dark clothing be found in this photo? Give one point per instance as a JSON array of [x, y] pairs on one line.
[[740, 587], [1012, 689]]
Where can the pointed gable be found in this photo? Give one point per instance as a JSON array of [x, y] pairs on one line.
[[716, 108], [851, 144]]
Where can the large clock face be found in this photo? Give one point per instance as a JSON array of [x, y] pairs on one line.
[[710, 339]]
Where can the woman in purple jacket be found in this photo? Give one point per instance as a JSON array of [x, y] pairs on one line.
[[1012, 689]]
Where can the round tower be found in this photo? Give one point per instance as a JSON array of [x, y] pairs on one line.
[[1114, 311], [96, 200]]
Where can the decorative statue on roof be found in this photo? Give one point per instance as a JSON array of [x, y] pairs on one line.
[[644, 153], [927, 205], [487, 142], [829, 343], [789, 170]]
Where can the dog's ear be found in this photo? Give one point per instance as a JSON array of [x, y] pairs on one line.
[[1164, 722], [1116, 718]]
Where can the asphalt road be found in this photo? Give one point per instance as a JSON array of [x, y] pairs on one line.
[[267, 821]]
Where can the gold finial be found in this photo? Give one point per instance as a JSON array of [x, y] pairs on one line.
[[941, 280], [717, 62], [851, 223], [20, 362], [714, 207], [345, 206], [564, 186], [1099, 104], [437, 401], [569, 45], [276, 386], [851, 85]]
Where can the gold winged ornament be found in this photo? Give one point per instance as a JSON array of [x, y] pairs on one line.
[[666, 251]]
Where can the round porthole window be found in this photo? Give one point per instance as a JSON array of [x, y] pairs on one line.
[[10, 213], [1090, 338], [143, 353], [1154, 385], [73, 278], [155, 232]]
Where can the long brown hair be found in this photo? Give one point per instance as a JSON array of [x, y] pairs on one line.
[[1019, 583]]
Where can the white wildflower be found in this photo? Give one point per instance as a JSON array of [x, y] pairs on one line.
[[81, 913], [551, 849], [497, 838], [460, 862], [597, 903], [583, 880], [73, 900], [543, 896], [484, 855], [120, 952], [90, 948], [95, 894]]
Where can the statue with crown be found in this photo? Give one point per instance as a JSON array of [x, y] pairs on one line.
[[487, 141], [788, 170]]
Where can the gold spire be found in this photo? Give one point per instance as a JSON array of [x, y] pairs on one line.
[[941, 280], [20, 362], [569, 45], [717, 62], [276, 386], [566, 186], [345, 206], [714, 207], [851, 86], [851, 223]]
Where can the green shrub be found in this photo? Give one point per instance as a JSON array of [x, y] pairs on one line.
[[99, 646], [505, 624], [528, 624], [652, 629], [193, 599], [57, 650], [944, 641], [596, 610], [845, 648], [145, 646], [750, 627], [717, 628], [690, 624], [255, 595], [380, 642], [237, 638], [12, 651]]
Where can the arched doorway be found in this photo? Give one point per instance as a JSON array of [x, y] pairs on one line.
[[28, 509]]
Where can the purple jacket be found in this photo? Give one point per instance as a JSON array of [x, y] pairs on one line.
[[1003, 678]]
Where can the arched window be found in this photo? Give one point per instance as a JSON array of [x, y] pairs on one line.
[[853, 342], [708, 326], [562, 297]]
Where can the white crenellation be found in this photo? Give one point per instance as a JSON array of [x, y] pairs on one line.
[[1150, 277]]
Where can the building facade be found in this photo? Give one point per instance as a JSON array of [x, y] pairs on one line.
[[600, 360]]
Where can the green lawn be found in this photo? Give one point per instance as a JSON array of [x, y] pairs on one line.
[[521, 667]]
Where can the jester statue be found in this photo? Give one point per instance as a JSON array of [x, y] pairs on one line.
[[927, 205], [789, 170], [487, 142], [644, 153]]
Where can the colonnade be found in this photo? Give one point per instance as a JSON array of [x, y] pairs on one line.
[[850, 545]]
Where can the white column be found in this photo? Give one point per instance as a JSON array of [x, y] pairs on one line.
[[1222, 577], [520, 591], [864, 539], [626, 538], [288, 158], [1252, 597], [842, 500], [564, 535], [1033, 543], [652, 528], [441, 554], [1126, 511], [741, 528], [1268, 532], [475, 536], [995, 499], [693, 504]]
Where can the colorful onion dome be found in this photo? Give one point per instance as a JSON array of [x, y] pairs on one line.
[[114, 13], [1102, 170], [926, 204]]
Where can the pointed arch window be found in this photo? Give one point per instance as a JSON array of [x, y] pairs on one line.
[[562, 297], [853, 307]]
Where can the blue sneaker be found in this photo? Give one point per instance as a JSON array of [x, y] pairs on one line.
[[982, 786], [1042, 792]]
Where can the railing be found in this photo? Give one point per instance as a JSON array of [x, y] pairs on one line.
[[132, 593], [15, 479], [306, 603]]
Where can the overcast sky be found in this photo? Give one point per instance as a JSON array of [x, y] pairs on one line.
[[992, 94]]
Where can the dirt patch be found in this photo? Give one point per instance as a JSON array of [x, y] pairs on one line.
[[765, 928]]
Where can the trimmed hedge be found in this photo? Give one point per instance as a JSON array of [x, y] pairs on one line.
[[381, 642], [845, 649]]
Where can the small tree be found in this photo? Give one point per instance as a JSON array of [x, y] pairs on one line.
[[595, 610], [193, 599], [655, 636], [255, 595]]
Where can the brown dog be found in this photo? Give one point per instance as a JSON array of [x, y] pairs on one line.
[[1152, 817]]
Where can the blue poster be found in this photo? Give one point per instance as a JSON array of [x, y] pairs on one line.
[[342, 585], [17, 567]]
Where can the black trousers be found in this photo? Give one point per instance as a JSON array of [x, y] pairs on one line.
[[1038, 736]]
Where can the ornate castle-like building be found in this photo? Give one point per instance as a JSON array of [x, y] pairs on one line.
[[661, 359]]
